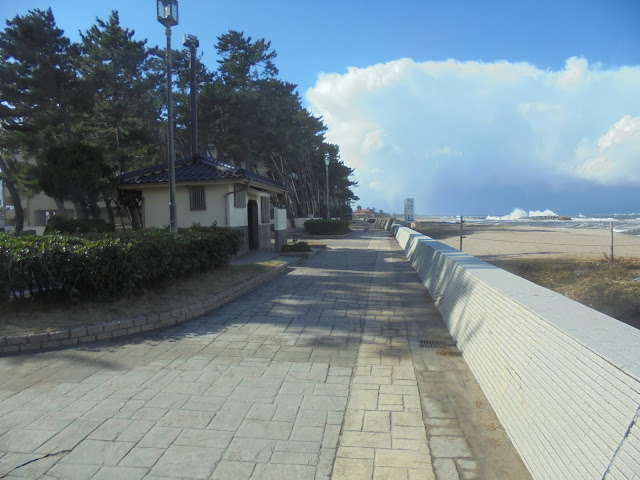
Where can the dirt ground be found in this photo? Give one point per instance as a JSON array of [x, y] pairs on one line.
[[20, 318], [573, 262]]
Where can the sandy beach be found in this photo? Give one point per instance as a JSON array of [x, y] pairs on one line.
[[501, 242]]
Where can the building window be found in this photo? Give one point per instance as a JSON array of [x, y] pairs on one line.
[[239, 197], [197, 199], [265, 205]]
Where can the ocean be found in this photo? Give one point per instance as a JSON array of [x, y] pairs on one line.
[[622, 223]]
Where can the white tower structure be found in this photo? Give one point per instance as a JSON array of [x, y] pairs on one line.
[[409, 215]]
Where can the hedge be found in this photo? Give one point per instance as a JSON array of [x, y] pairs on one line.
[[326, 227], [62, 224], [109, 266], [296, 247]]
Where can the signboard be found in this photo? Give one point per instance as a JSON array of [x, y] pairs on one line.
[[409, 215]]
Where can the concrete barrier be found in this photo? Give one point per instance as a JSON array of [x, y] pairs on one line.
[[563, 379]]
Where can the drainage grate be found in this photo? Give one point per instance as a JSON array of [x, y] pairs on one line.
[[432, 344]]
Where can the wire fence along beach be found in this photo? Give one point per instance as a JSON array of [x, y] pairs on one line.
[[493, 240]]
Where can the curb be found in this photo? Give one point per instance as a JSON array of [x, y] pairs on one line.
[[299, 254], [70, 337]]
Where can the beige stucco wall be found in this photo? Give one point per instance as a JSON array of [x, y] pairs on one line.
[[40, 201], [156, 207], [237, 216]]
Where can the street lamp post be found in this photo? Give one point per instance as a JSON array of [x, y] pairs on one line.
[[191, 42], [168, 16], [327, 159]]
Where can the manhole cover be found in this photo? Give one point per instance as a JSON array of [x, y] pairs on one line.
[[432, 344]]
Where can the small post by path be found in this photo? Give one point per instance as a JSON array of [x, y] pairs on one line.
[[611, 227], [461, 222]]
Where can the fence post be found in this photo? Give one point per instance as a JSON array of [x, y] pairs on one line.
[[611, 227], [461, 222]]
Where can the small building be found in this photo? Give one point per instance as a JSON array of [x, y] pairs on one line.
[[364, 213], [208, 191]]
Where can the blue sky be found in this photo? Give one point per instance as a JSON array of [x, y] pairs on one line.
[[470, 107]]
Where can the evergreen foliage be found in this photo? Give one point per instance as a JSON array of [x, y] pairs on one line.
[[109, 266], [60, 224], [109, 92], [76, 172]]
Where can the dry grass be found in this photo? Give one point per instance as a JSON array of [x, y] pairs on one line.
[[612, 290], [35, 317]]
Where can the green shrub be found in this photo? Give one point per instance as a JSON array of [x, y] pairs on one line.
[[62, 224], [109, 266], [296, 247], [326, 227]]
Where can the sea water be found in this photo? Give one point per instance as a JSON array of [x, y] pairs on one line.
[[622, 223]]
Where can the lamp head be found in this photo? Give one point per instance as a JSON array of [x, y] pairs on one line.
[[190, 40], [168, 12], [327, 159]]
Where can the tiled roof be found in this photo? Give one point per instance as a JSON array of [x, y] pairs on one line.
[[195, 169]]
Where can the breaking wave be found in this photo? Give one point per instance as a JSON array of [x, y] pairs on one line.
[[519, 214]]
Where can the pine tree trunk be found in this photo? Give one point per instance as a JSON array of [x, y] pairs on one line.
[[136, 223], [15, 197], [60, 208], [109, 207]]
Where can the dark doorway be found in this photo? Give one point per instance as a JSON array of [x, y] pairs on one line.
[[252, 218]]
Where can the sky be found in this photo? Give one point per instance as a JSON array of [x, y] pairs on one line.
[[469, 107]]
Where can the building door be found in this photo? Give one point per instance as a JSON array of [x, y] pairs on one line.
[[252, 218]]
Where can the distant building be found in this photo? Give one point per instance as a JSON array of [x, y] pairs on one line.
[[409, 215], [365, 212]]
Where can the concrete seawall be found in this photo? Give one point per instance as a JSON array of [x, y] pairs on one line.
[[563, 379]]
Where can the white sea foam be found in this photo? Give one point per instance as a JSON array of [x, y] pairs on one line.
[[519, 214]]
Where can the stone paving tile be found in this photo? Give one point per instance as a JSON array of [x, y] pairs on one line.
[[33, 469], [383, 396], [236, 470], [188, 462], [309, 376], [97, 452], [142, 457]]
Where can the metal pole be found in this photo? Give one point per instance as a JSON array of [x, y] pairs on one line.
[[611, 226], [461, 222], [173, 221], [327, 197], [194, 106]]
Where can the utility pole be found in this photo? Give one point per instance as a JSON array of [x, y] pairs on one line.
[[191, 41]]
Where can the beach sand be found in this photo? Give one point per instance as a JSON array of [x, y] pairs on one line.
[[502, 242]]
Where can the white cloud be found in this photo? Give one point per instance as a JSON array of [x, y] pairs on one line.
[[372, 141], [619, 153], [444, 152], [574, 72], [472, 133]]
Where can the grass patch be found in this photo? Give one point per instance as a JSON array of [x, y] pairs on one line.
[[21, 318], [612, 290]]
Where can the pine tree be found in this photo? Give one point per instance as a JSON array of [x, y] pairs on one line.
[[40, 92], [123, 118]]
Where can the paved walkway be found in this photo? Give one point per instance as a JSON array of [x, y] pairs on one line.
[[316, 375]]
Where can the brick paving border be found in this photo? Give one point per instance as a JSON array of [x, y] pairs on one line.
[[69, 337]]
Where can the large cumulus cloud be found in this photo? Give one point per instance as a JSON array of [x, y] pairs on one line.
[[484, 137]]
